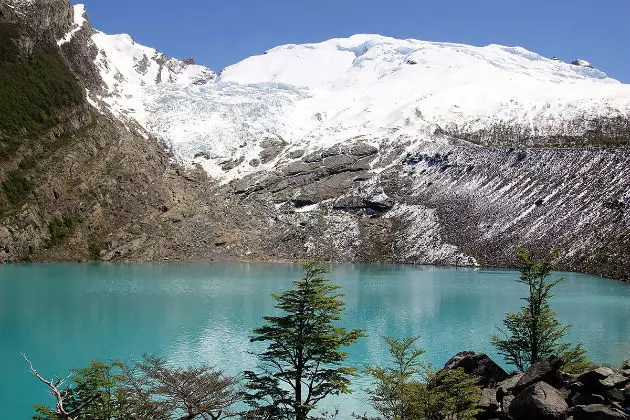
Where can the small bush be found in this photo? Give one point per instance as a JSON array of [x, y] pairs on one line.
[[16, 187], [95, 247], [59, 230]]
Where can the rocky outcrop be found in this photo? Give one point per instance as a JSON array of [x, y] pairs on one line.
[[547, 370], [596, 412], [478, 365], [600, 393]]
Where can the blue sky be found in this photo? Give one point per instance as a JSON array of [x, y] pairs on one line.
[[220, 33]]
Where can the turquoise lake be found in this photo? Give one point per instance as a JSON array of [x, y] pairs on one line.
[[65, 315]]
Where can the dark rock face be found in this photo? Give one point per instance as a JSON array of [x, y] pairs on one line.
[[596, 412], [539, 401], [479, 366], [544, 370]]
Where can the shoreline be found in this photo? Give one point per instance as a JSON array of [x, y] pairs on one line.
[[295, 262]]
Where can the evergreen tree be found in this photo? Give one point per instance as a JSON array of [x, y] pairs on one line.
[[303, 362], [534, 333]]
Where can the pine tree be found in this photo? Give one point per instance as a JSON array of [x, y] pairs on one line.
[[303, 362], [534, 333]]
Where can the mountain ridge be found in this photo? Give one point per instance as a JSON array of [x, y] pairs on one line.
[[366, 85], [258, 169]]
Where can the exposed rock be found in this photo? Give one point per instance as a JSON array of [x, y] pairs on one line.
[[596, 412], [586, 398], [313, 157], [349, 202], [478, 365], [507, 386], [295, 168], [506, 402], [339, 163], [547, 370], [615, 394], [362, 150], [228, 165], [539, 401], [615, 380], [381, 202], [595, 375], [488, 402], [294, 154]]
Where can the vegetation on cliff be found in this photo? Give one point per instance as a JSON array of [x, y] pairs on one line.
[[36, 86]]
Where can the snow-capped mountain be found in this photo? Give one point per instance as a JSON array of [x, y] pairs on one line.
[[381, 90], [365, 149]]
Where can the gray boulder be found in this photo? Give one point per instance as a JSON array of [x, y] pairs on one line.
[[478, 365], [507, 386], [539, 401]]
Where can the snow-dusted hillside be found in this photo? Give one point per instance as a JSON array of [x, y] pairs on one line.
[[382, 90]]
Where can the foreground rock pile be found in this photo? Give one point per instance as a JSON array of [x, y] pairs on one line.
[[544, 392]]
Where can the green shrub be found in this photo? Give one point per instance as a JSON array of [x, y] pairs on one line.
[[95, 246], [60, 229], [16, 187]]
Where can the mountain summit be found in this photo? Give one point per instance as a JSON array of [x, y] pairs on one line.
[[382, 89]]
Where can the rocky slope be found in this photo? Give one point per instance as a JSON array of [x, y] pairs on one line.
[[366, 149]]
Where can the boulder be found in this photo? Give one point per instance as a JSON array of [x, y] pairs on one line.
[[616, 380], [596, 412], [615, 394], [506, 402], [507, 386], [488, 400], [539, 401], [381, 202], [294, 154], [593, 376], [586, 398], [295, 168], [478, 365], [547, 370], [488, 404]]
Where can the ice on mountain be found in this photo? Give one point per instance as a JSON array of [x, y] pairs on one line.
[[359, 86], [582, 63]]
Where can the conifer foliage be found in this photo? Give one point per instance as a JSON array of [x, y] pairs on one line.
[[303, 362], [535, 333]]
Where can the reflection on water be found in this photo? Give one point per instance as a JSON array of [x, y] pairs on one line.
[[65, 315]]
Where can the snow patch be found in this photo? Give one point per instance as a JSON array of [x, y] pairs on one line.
[[80, 18]]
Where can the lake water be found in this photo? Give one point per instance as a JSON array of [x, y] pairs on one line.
[[65, 315]]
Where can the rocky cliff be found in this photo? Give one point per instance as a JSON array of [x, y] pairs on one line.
[[138, 156]]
